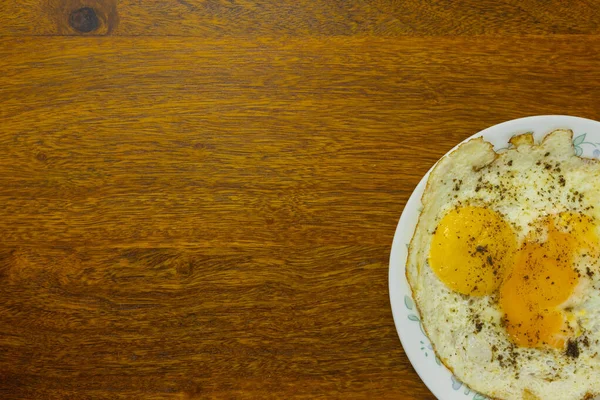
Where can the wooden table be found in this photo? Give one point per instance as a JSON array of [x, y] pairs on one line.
[[198, 198]]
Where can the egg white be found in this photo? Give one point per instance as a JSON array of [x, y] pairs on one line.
[[523, 184]]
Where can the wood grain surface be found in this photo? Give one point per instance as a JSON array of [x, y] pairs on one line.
[[252, 18], [198, 198]]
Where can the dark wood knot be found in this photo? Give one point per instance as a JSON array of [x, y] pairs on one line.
[[84, 20]]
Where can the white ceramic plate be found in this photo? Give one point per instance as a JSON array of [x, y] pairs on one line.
[[586, 138]]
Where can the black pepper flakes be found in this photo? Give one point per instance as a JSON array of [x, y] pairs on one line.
[[572, 349], [589, 272], [478, 327], [481, 249], [585, 341]]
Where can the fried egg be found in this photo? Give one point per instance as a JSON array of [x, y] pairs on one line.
[[504, 266]]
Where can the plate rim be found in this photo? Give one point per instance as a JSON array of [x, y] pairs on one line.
[[397, 267]]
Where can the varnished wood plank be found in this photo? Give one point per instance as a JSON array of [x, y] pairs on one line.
[[219, 18], [109, 114], [188, 218]]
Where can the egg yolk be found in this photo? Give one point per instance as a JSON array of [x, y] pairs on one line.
[[471, 250], [543, 278]]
